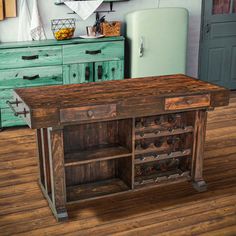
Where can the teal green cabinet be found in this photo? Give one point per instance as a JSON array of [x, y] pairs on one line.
[[78, 73], [51, 62], [109, 70]]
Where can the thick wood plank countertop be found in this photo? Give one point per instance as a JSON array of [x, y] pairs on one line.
[[135, 97]]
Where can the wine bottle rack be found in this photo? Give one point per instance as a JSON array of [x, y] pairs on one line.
[[163, 148]]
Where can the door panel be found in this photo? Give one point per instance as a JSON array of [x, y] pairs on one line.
[[111, 70], [225, 29], [233, 68], [78, 73], [216, 64], [218, 40]]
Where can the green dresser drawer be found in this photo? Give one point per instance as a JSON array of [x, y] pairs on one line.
[[93, 52], [29, 77], [5, 94], [30, 57], [8, 119]]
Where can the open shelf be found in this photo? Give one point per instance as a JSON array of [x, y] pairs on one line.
[[96, 189], [103, 141], [97, 153]]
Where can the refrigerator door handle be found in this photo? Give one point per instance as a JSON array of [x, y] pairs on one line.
[[141, 50]]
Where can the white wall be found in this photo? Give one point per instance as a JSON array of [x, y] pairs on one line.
[[8, 28]]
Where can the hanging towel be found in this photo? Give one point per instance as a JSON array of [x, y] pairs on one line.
[[36, 28], [84, 8], [24, 22]]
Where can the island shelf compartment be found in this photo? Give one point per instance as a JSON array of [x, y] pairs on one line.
[[166, 170], [98, 178], [86, 143]]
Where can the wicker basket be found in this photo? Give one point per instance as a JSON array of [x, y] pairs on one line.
[[110, 29]]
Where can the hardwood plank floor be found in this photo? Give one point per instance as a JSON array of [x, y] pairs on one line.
[[171, 210]]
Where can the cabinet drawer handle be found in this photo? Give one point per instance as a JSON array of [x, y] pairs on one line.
[[93, 52], [31, 77], [100, 72], [29, 58], [87, 73]]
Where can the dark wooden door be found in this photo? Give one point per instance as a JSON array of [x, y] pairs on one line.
[[217, 61]]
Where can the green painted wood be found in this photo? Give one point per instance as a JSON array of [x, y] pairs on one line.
[[14, 78], [84, 52], [5, 94], [43, 56], [52, 42], [217, 56], [13, 69], [8, 119], [76, 73], [111, 70]]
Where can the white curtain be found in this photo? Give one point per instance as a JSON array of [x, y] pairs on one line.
[[24, 22]]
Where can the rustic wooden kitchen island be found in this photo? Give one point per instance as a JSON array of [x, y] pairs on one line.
[[106, 138]]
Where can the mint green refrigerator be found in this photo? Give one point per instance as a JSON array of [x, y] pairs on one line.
[[157, 41]]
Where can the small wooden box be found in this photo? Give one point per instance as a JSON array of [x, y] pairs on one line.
[[110, 29]]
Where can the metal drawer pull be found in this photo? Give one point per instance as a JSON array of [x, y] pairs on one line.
[[189, 102], [31, 77], [10, 104], [29, 58], [93, 52], [87, 73], [90, 113]]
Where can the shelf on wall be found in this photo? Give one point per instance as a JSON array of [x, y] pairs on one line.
[[62, 3]]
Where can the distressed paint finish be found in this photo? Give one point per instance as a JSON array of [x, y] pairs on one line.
[[111, 70], [29, 77], [93, 52], [76, 73], [43, 65], [8, 119], [53, 42], [5, 94], [23, 57]]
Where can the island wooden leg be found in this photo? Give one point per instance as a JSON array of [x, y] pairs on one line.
[[58, 174], [198, 151]]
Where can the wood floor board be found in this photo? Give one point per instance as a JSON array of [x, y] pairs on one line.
[[170, 210]]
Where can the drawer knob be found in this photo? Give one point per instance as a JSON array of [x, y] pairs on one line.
[[90, 113], [189, 102]]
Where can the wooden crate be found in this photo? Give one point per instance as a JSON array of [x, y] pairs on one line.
[[110, 29]]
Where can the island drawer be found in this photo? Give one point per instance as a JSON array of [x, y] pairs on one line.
[[93, 52], [29, 77], [25, 57], [187, 102], [87, 113]]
